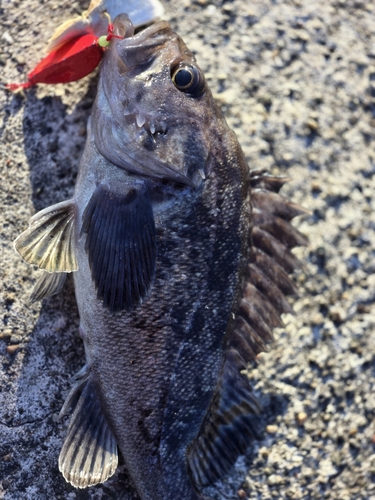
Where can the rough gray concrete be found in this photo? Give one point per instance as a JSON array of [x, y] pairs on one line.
[[296, 80]]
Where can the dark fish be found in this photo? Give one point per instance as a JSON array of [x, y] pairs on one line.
[[181, 257]]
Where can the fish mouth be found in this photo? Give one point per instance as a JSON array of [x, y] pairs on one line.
[[149, 32], [138, 49], [123, 27]]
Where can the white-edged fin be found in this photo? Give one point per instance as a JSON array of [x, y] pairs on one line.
[[48, 242], [48, 284], [89, 455]]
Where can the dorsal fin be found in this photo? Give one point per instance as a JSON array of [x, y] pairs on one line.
[[275, 204], [234, 412], [267, 283], [48, 242], [121, 245], [263, 179]]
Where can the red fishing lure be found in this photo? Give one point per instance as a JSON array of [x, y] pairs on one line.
[[70, 62]]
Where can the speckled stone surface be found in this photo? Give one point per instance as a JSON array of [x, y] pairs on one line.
[[296, 80]]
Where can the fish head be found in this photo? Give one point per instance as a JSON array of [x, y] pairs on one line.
[[154, 114]]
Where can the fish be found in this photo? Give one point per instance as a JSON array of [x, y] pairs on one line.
[[181, 256]]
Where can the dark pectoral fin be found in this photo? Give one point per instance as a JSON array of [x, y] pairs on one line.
[[48, 242], [121, 245], [89, 455]]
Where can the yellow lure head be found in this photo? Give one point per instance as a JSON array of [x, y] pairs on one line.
[[102, 41]]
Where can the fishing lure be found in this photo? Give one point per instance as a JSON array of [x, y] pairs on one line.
[[77, 46]]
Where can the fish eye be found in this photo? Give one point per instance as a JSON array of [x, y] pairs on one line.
[[188, 79], [183, 78]]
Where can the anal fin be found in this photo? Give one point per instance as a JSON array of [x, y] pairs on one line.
[[229, 427], [89, 455]]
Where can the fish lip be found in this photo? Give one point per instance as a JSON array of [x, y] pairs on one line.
[[141, 37], [138, 51]]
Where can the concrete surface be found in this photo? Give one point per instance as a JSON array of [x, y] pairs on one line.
[[296, 80]]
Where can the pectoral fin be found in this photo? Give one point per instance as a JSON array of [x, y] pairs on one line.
[[48, 242], [89, 455], [121, 245], [47, 285]]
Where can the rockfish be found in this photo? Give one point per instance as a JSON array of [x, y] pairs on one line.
[[180, 255]]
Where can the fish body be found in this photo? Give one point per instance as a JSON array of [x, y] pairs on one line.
[[154, 368], [177, 251]]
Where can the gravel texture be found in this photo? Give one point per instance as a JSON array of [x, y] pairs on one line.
[[296, 80]]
